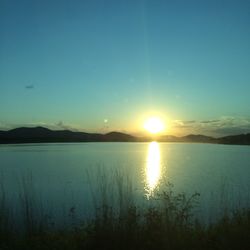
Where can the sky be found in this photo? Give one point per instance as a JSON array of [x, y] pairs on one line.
[[105, 65]]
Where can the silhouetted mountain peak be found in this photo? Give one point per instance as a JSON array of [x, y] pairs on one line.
[[118, 136], [197, 137], [24, 129], [114, 133]]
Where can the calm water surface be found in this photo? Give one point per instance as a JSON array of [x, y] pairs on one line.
[[66, 175]]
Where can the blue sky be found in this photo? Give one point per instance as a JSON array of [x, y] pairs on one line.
[[98, 65]]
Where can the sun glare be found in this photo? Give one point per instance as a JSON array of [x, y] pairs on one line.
[[153, 167], [154, 125]]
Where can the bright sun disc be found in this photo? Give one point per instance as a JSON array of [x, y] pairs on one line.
[[154, 125]]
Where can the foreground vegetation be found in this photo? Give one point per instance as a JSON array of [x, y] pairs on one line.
[[166, 221]]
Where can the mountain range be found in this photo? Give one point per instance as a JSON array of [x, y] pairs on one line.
[[45, 135]]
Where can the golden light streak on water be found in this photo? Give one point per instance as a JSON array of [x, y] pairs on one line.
[[153, 168]]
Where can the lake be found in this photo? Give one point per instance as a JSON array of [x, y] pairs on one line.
[[63, 176]]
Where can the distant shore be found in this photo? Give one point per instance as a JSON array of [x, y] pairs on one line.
[[45, 135]]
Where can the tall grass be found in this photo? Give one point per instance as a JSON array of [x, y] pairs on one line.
[[166, 221], [5, 214]]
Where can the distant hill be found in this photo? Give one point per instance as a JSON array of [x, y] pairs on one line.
[[243, 139], [199, 138], [42, 135], [117, 136], [169, 138], [188, 138]]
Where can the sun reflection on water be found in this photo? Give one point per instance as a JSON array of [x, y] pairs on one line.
[[153, 168]]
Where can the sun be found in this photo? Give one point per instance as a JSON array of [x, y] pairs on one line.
[[154, 125]]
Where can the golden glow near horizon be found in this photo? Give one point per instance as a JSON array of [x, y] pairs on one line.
[[154, 125], [153, 167]]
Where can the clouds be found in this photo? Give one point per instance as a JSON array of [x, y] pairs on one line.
[[210, 121], [61, 125], [226, 125], [4, 126]]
